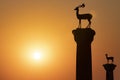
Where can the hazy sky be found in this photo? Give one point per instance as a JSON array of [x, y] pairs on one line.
[[27, 26]]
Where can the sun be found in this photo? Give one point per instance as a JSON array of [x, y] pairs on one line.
[[37, 55]]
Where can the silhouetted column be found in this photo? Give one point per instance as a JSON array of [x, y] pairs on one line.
[[109, 71], [83, 38]]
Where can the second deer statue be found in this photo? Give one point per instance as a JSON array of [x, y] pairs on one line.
[[83, 16], [109, 58]]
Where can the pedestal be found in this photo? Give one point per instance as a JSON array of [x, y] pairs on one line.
[[83, 38]]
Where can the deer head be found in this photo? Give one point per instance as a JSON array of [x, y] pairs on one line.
[[106, 54], [80, 6]]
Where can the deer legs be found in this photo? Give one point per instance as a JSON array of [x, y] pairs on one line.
[[79, 26], [111, 60], [88, 26]]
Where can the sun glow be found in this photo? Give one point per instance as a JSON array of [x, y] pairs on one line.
[[37, 55]]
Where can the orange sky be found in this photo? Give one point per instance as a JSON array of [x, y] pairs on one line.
[[46, 25]]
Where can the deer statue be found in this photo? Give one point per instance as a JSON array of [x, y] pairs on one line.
[[109, 58], [83, 16]]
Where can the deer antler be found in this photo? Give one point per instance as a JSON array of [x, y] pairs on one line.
[[83, 5]]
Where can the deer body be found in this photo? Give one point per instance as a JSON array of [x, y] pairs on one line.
[[109, 58], [83, 16]]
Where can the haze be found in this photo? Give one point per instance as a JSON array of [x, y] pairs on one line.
[[46, 25]]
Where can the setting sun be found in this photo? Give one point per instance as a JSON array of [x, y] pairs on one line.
[[37, 55]]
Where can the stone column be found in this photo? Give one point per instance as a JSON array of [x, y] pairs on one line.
[[83, 38], [109, 71]]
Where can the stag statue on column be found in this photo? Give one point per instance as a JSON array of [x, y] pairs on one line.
[[109, 58], [83, 16]]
